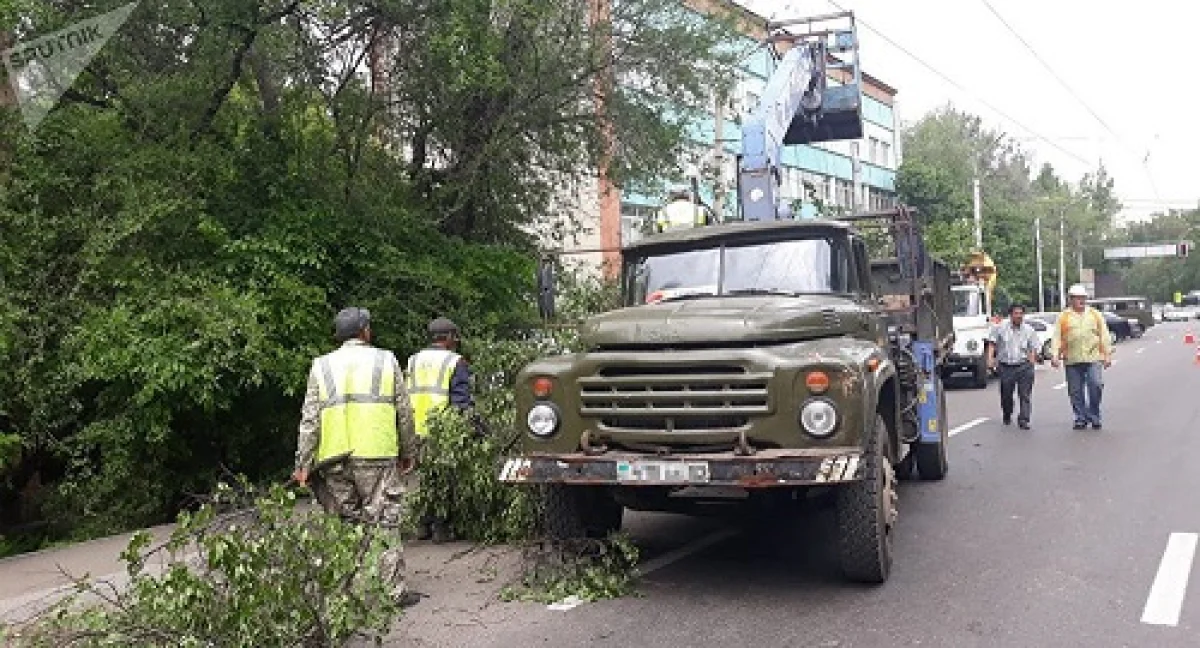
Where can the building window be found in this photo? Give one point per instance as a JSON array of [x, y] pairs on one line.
[[874, 150], [885, 152]]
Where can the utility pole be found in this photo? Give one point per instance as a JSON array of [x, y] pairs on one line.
[[1037, 236], [1079, 255], [978, 213], [1062, 258], [718, 156]]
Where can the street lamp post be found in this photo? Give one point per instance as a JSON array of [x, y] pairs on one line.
[[1037, 235]]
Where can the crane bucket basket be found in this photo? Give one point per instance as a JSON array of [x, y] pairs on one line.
[[840, 114]]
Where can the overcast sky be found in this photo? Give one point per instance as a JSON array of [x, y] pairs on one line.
[[1132, 64]]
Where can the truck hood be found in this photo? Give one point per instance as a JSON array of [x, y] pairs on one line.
[[723, 320]]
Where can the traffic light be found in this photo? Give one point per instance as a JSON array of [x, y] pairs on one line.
[[1182, 249]]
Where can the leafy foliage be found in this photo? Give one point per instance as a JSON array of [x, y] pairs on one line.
[[267, 574], [227, 174], [945, 150], [589, 570]]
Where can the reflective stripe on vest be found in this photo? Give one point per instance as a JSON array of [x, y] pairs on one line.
[[1064, 326], [428, 383], [358, 407]]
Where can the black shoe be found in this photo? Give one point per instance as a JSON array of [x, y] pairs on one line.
[[1023, 425], [442, 533], [1096, 426], [424, 532], [1008, 419], [409, 599], [1080, 425]]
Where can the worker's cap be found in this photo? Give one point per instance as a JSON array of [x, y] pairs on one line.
[[350, 323], [1078, 290], [442, 326]]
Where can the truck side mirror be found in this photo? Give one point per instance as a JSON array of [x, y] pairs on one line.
[[545, 288]]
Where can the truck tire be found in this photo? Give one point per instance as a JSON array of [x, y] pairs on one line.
[[930, 458], [572, 512], [866, 513], [980, 378]]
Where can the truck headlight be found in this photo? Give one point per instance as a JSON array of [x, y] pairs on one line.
[[542, 420], [819, 418]]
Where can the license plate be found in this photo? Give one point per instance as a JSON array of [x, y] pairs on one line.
[[663, 472]]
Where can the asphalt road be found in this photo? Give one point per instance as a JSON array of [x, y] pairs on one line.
[[1046, 537]]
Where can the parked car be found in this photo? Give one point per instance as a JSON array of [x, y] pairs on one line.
[[1138, 308], [1119, 328], [1044, 334], [1122, 328], [1179, 313]]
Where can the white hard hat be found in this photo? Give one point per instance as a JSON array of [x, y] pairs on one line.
[[1078, 290]]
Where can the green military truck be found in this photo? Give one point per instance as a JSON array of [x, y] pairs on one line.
[[751, 361]]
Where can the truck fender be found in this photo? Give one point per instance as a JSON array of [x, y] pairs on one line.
[[880, 386]]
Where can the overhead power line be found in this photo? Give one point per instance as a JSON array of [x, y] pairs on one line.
[[960, 87], [1033, 51]]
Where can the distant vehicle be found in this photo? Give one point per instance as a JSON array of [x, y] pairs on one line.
[[1138, 308], [1191, 299], [1172, 313], [1122, 328], [1119, 328], [1044, 335]]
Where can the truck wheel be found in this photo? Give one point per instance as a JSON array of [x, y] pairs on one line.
[[931, 457], [981, 374], [866, 513], [573, 512]]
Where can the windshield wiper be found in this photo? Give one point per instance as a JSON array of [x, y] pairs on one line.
[[697, 295], [763, 291]]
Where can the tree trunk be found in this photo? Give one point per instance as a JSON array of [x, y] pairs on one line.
[[7, 96]]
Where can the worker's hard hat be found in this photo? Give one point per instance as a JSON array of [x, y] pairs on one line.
[[1078, 290], [442, 326], [350, 322]]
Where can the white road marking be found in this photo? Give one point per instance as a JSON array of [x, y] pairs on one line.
[[967, 426], [1061, 386], [1170, 584], [1141, 350], [675, 555]]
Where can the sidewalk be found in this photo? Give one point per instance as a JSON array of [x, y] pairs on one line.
[[461, 581]]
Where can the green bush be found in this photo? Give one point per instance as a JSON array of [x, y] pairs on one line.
[[268, 574]]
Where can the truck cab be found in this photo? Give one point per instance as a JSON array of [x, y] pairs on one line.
[[972, 323]]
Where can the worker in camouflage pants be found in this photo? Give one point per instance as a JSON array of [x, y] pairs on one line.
[[357, 437]]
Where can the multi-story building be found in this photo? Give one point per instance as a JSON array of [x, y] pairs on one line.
[[858, 174]]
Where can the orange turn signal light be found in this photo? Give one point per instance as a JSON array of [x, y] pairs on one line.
[[817, 382], [542, 387]]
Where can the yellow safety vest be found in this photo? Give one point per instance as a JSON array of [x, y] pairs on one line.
[[681, 213], [358, 403], [428, 383]]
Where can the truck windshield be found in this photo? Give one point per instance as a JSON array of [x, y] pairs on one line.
[[803, 266], [966, 303]]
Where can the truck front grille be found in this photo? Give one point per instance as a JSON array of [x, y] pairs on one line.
[[675, 397]]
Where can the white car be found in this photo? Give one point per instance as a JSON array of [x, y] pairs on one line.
[[1044, 334], [1172, 313]]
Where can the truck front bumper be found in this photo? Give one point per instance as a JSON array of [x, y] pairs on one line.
[[959, 363], [764, 469]]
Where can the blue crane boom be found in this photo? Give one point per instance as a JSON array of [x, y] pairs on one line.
[[798, 107]]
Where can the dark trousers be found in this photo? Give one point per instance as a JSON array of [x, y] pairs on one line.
[[1021, 377]]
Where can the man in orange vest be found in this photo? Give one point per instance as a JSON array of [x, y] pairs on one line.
[[1082, 341]]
